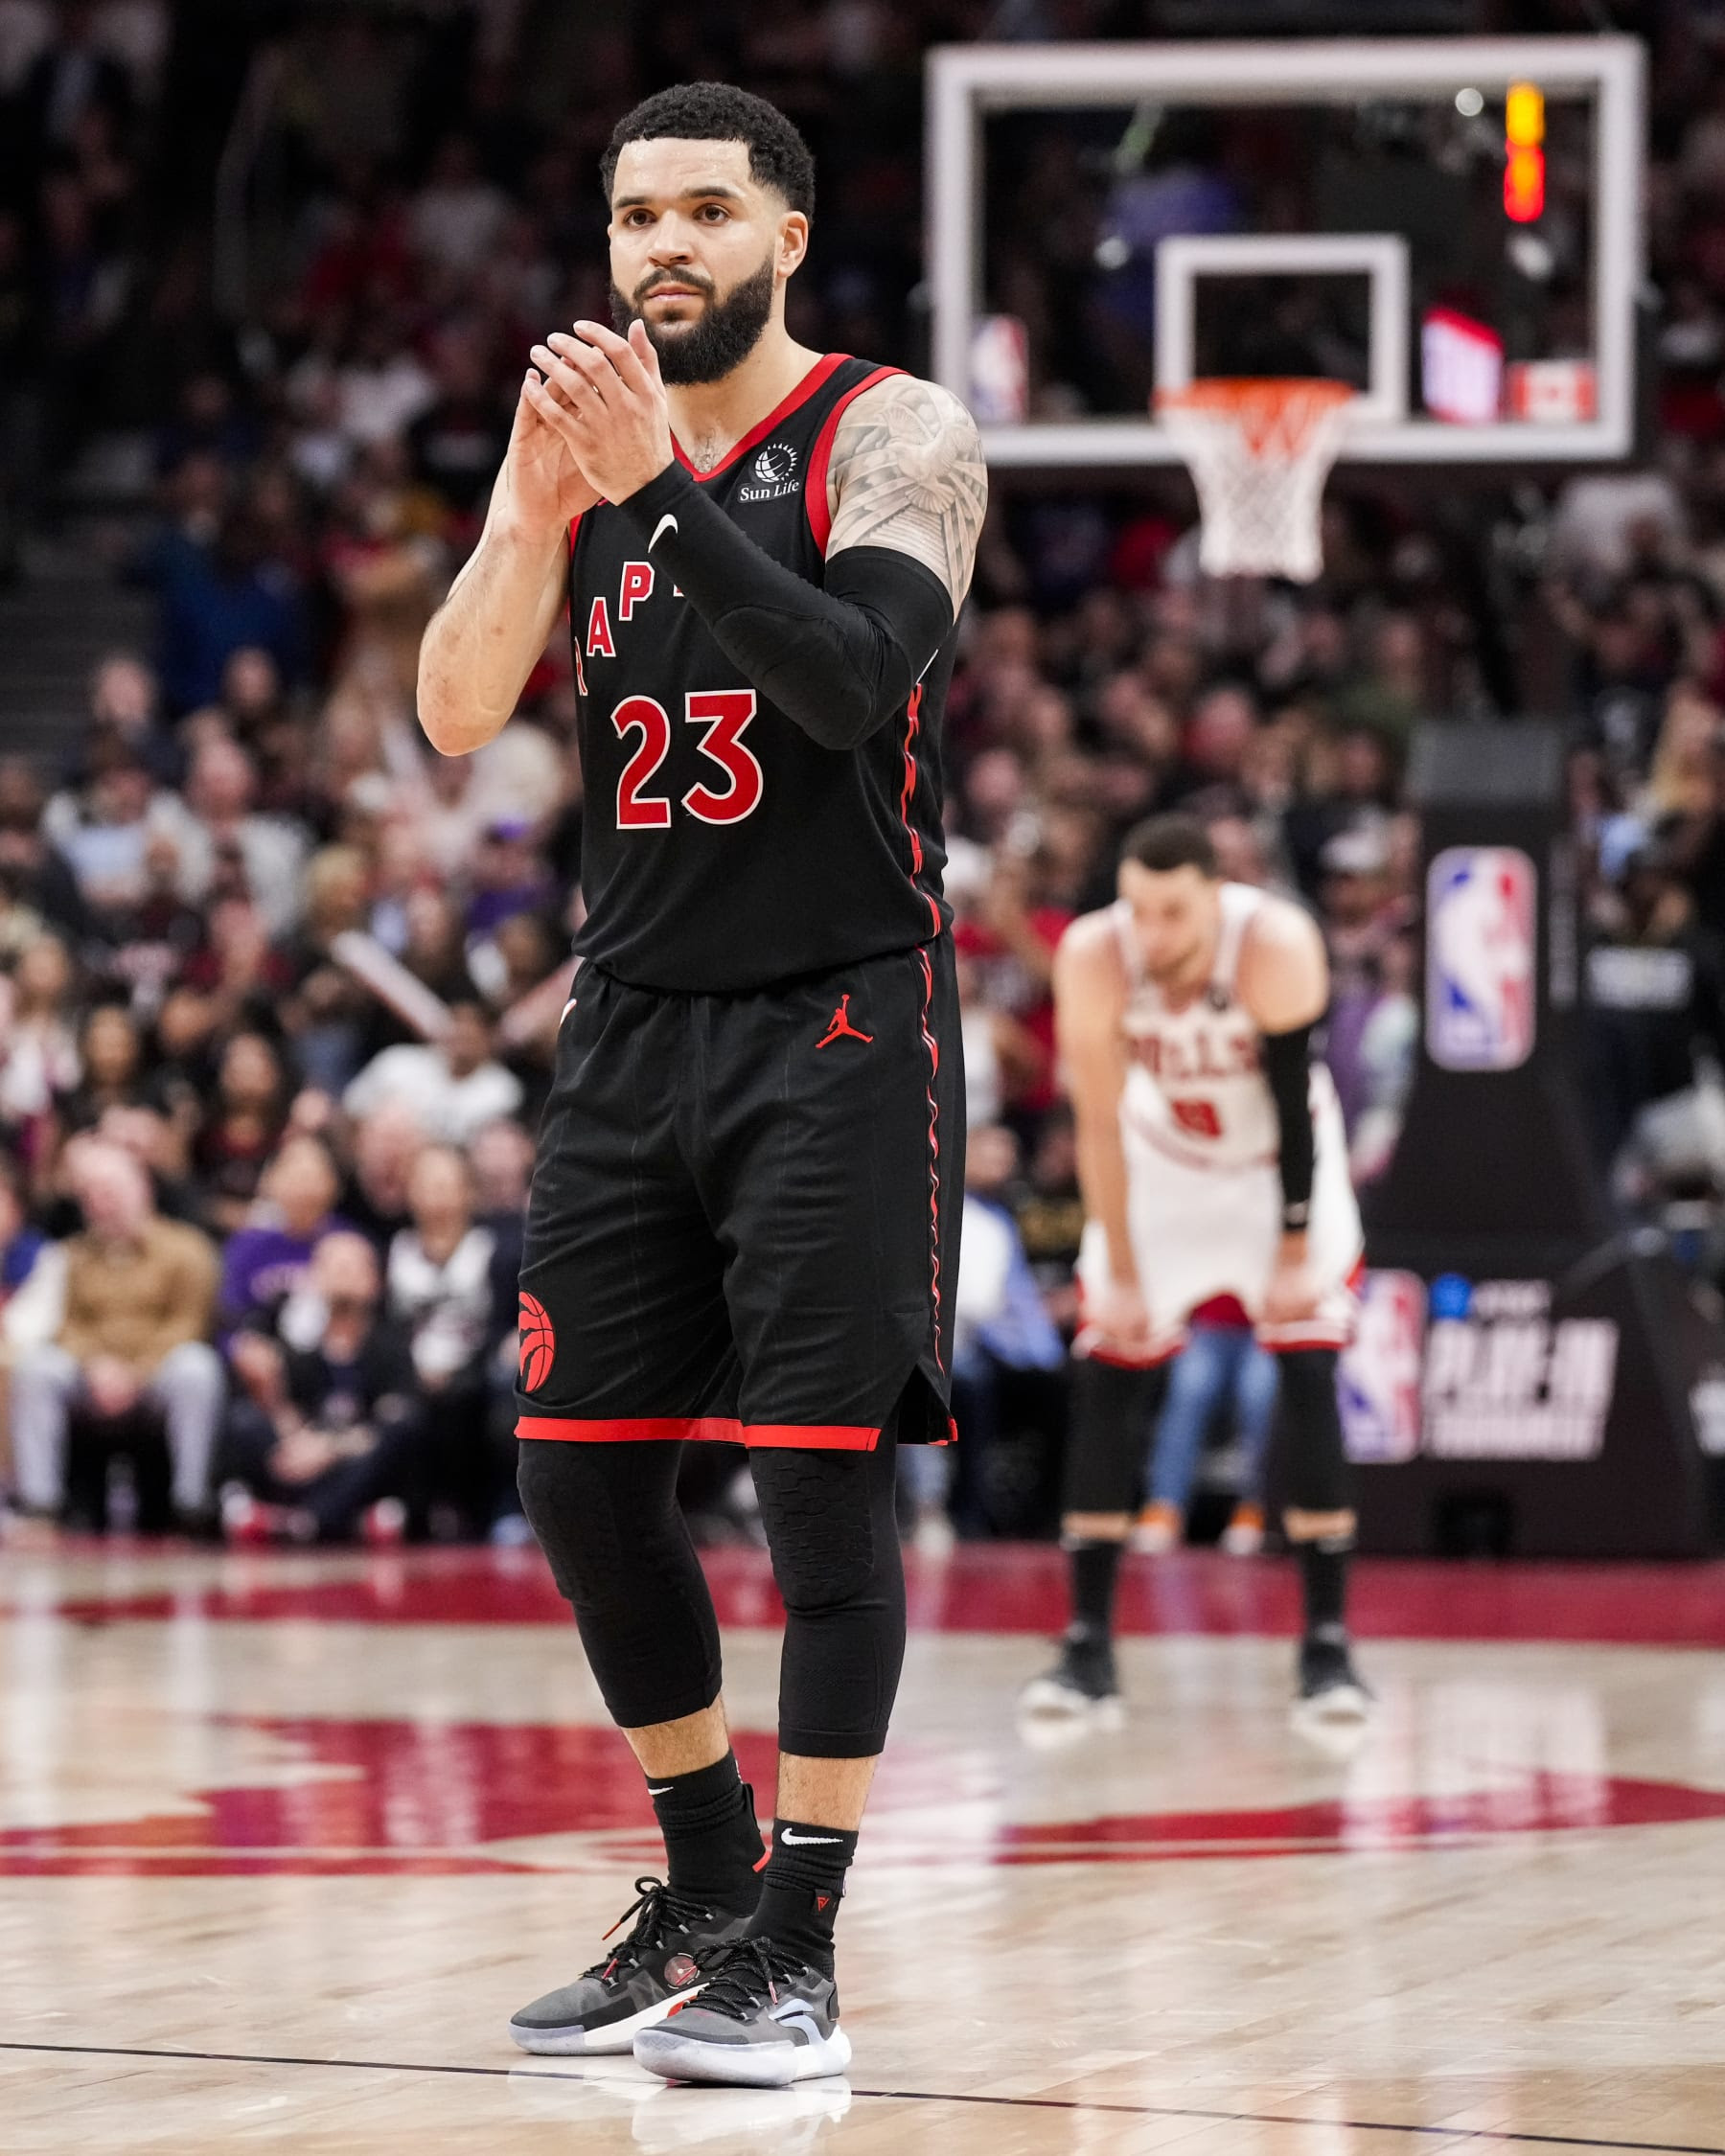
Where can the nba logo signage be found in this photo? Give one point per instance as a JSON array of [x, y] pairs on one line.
[[1480, 958], [1378, 1382]]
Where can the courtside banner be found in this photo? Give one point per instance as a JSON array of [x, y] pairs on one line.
[[1475, 1370], [1529, 1375]]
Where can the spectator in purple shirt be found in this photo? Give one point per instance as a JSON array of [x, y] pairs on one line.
[[21, 1243], [507, 876], [266, 1260]]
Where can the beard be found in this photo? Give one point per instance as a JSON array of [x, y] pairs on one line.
[[722, 336]]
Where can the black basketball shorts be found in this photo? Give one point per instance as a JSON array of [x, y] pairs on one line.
[[744, 1223]]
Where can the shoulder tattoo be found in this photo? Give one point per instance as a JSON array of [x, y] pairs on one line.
[[908, 471]]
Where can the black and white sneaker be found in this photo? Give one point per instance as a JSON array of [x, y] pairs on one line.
[[1330, 1687], [646, 1976], [763, 2020], [1082, 1685]]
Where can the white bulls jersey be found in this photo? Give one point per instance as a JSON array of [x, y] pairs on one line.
[[1196, 1084], [1199, 1127]]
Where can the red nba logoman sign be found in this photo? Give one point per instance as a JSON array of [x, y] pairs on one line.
[[1460, 368], [1378, 1382], [1480, 958]]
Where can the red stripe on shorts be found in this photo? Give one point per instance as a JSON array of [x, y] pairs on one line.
[[633, 1430], [720, 1429], [812, 1436]]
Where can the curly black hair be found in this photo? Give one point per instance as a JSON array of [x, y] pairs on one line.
[[778, 157]]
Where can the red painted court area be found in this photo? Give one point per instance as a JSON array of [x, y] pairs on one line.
[[389, 1790], [997, 1588], [439, 1799]]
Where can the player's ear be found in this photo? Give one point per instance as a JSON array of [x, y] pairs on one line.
[[793, 242]]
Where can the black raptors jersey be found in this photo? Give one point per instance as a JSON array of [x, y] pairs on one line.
[[722, 848]]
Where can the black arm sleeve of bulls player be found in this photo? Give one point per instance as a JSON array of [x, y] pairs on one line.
[[1288, 1073], [838, 662]]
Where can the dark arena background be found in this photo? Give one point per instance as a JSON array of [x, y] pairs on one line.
[[304, 1781]]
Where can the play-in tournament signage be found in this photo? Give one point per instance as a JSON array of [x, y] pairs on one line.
[[1472, 1370], [1531, 1375]]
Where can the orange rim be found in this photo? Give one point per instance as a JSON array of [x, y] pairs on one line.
[[1276, 414]]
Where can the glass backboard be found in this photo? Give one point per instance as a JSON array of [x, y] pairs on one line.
[[1450, 225]]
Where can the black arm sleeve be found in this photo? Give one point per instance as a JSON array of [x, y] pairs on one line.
[[838, 661], [1287, 1071]]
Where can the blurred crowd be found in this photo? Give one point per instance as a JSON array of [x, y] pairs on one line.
[[279, 985]]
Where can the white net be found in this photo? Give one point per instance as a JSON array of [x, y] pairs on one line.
[[1259, 452]]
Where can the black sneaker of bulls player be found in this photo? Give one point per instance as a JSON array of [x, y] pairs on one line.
[[1081, 1686], [1330, 1687], [764, 2019], [648, 1974]]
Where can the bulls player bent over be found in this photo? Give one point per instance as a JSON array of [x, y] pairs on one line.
[[1213, 1162], [744, 1207]]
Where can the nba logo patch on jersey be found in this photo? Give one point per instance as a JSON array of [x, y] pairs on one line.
[[1480, 958], [1378, 1381]]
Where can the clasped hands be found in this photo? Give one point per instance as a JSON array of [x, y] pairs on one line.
[[604, 396]]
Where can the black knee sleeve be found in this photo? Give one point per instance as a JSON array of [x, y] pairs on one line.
[[1113, 1411], [1316, 1470], [833, 1532], [606, 1518]]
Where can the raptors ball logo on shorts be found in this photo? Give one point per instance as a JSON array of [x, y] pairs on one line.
[[539, 1343]]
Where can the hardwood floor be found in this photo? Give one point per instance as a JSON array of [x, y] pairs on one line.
[[286, 1839]]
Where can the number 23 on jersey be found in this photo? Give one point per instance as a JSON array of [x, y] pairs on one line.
[[725, 712]]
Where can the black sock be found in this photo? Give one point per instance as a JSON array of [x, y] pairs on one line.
[[1323, 1575], [801, 1889], [712, 1843], [1095, 1567]]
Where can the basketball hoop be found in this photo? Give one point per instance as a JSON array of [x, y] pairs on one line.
[[1260, 451]]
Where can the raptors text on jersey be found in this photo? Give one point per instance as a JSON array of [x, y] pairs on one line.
[[722, 849]]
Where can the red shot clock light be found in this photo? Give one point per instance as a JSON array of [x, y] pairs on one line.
[[1524, 154]]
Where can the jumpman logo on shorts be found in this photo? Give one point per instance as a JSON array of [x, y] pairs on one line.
[[841, 1028]]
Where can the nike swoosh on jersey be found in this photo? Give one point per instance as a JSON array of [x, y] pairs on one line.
[[666, 523], [789, 1834]]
